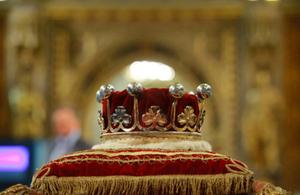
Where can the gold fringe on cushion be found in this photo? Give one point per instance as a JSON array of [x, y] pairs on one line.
[[161, 184]]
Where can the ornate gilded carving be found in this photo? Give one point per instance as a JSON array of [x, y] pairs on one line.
[[261, 121], [26, 97], [262, 115], [61, 77], [216, 46]]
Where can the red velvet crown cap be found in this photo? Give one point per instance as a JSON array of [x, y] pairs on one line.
[[150, 97]]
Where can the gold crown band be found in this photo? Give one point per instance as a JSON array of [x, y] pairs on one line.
[[152, 134]]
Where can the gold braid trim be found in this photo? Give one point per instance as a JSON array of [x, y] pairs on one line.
[[129, 153], [140, 161], [161, 184]]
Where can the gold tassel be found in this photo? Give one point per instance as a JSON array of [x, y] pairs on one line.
[[160, 184]]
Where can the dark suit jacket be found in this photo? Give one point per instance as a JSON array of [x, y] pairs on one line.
[[80, 145]]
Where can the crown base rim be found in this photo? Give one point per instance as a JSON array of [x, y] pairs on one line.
[[136, 138]]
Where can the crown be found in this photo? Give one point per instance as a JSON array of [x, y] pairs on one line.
[[138, 115]]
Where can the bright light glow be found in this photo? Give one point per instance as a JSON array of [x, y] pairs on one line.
[[141, 70], [14, 158]]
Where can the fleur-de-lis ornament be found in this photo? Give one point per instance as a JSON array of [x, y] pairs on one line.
[[188, 117], [120, 116], [154, 116]]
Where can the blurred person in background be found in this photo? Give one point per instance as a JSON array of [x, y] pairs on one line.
[[67, 127]]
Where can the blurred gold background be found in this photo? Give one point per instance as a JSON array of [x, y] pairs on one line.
[[55, 53]]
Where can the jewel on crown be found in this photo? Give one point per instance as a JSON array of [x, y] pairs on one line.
[[182, 117]]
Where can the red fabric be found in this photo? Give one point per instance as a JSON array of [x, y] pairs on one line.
[[150, 97], [166, 162], [258, 186]]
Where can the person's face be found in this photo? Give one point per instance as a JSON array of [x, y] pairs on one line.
[[63, 122]]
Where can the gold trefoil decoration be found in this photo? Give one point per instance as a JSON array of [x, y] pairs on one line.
[[188, 117], [154, 117]]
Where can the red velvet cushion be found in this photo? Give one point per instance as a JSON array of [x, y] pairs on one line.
[[143, 171], [139, 162]]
